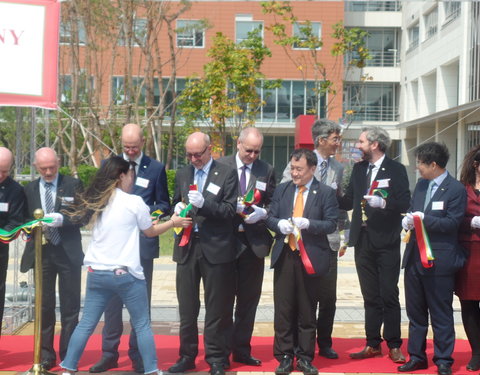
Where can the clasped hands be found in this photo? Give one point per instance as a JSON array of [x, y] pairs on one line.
[[286, 227], [57, 219], [375, 201], [407, 221], [258, 213]]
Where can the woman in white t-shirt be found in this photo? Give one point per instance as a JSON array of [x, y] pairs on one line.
[[113, 258]]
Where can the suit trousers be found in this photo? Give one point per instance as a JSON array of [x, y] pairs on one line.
[[249, 277], [3, 279], [378, 273], [424, 296], [55, 263], [219, 286], [294, 308], [113, 327]]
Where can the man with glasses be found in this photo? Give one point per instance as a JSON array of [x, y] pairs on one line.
[[206, 252], [253, 238], [150, 184], [326, 138]]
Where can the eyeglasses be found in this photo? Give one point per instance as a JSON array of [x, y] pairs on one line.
[[249, 151], [196, 155], [131, 148]]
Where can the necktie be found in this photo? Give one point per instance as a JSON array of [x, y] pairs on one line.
[[323, 172], [200, 174], [243, 180], [428, 196], [50, 207], [297, 212], [369, 178], [133, 166]]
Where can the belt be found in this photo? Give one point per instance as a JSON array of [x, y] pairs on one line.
[[116, 271]]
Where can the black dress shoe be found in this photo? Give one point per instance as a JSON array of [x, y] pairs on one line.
[[285, 367], [183, 364], [444, 369], [105, 363], [474, 364], [250, 361], [138, 366], [47, 364], [413, 365], [328, 353], [306, 367], [217, 368]]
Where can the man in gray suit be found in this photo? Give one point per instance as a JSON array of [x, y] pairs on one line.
[[326, 138]]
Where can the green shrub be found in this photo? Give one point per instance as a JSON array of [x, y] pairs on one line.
[[171, 182], [85, 173]]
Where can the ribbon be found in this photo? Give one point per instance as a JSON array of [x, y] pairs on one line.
[[253, 196], [297, 235], [423, 243], [186, 232], [381, 192], [7, 237], [373, 187], [155, 215]]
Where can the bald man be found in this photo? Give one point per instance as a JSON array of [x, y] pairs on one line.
[[208, 256], [12, 200], [62, 254]]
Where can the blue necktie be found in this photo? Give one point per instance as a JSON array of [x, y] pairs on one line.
[[200, 175], [428, 196]]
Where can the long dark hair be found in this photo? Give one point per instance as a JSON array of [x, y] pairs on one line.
[[95, 198], [469, 166]]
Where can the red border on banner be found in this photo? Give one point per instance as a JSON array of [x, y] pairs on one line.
[[48, 98]]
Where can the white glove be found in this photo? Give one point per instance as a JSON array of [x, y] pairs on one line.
[[57, 219], [346, 235], [419, 214], [196, 198], [258, 214], [179, 207], [285, 227], [407, 222], [301, 222], [240, 207], [375, 201], [475, 224]]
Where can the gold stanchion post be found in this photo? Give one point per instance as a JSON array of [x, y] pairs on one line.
[[37, 368]]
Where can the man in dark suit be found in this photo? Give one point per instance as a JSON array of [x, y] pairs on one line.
[[62, 254], [208, 253], [315, 212], [12, 200], [253, 238], [326, 138], [439, 202], [378, 192], [151, 185]]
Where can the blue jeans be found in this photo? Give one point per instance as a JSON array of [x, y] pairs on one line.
[[101, 286]]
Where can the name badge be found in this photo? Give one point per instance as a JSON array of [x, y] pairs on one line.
[[4, 207], [261, 185], [67, 199], [142, 182], [437, 205], [212, 188], [383, 183]]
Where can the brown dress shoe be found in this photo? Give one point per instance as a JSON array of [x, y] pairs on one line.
[[396, 355], [367, 352]]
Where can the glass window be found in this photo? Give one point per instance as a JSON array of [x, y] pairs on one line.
[[298, 98], [373, 6], [190, 34], [139, 35], [413, 36], [307, 32], [245, 27], [431, 20], [382, 46], [119, 96], [283, 97], [269, 108], [452, 10], [66, 36], [66, 89]]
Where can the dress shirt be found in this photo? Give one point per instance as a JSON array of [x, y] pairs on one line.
[[305, 193], [376, 168]]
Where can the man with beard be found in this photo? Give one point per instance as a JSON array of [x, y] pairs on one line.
[[378, 193]]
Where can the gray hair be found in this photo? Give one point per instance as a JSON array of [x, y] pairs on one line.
[[322, 128], [247, 131], [377, 134]]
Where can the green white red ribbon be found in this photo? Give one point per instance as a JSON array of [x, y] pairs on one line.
[[186, 232], [253, 196], [297, 235], [423, 243], [26, 229]]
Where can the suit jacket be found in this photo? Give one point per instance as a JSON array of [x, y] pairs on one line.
[[441, 221], [334, 180], [321, 208], [262, 177], [383, 225], [215, 218], [155, 194], [70, 237]]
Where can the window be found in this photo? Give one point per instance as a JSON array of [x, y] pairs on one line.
[[382, 45], [452, 10], [65, 88], [309, 33], [373, 6], [413, 37], [243, 27], [190, 34], [66, 36], [431, 20], [138, 36]]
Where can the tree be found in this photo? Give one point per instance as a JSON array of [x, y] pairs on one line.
[[226, 96]]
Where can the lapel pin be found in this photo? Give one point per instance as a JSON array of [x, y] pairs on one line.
[[314, 191], [383, 169], [216, 173]]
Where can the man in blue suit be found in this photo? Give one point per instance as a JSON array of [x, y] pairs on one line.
[[439, 200], [151, 185]]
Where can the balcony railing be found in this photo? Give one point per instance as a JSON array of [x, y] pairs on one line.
[[373, 6], [380, 58], [375, 113]]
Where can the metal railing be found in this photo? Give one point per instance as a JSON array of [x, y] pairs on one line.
[[373, 6]]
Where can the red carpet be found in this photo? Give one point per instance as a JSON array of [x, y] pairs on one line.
[[16, 354]]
